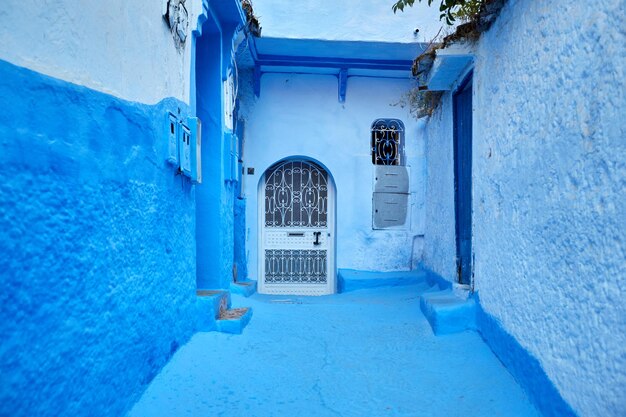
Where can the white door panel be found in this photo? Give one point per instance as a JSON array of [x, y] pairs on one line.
[[296, 247]]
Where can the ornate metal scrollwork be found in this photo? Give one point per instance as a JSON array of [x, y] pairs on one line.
[[283, 266], [387, 142], [296, 195]]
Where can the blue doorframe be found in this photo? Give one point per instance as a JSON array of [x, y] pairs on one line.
[[462, 116]]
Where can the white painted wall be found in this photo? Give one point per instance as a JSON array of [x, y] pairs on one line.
[[119, 47], [301, 115], [549, 213], [371, 20]]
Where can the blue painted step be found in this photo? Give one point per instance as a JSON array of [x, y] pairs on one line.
[[215, 314], [210, 304], [245, 288], [234, 320], [352, 279], [448, 313]]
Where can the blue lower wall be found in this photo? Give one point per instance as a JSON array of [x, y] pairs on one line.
[[524, 367], [97, 248]]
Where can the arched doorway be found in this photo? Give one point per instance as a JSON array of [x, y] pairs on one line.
[[296, 229]]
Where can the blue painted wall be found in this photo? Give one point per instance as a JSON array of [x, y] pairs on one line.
[[215, 197], [97, 248], [548, 178], [241, 259]]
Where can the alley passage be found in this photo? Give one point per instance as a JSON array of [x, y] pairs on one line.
[[361, 353]]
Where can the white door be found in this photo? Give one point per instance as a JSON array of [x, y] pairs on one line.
[[296, 225]]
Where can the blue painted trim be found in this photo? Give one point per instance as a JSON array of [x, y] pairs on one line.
[[520, 363], [343, 84], [326, 62], [352, 279], [524, 367], [462, 114]]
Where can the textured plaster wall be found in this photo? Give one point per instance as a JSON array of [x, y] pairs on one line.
[[548, 190], [362, 20], [83, 42], [301, 115], [439, 235], [97, 248]]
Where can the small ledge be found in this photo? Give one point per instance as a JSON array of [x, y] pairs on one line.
[[244, 288], [449, 66], [233, 321], [352, 280], [448, 313]]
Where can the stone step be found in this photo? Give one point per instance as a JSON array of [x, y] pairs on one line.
[[234, 320], [245, 288], [210, 305], [448, 313], [352, 279]]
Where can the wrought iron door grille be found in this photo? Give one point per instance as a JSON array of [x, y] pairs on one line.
[[283, 266], [387, 142], [296, 195]]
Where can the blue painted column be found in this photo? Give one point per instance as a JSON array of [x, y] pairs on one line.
[[209, 251], [215, 196]]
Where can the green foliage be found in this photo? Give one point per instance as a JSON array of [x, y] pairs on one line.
[[450, 9]]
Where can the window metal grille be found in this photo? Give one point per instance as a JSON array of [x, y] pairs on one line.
[[387, 144]]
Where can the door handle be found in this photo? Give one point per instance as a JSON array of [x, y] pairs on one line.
[[317, 238]]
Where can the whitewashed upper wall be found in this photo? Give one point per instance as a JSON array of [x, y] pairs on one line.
[[371, 20], [119, 47], [299, 114]]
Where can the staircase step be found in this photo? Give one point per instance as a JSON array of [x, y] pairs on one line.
[[352, 279], [234, 320], [448, 313], [211, 304], [245, 288]]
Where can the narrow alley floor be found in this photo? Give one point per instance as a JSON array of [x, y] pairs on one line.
[[362, 353]]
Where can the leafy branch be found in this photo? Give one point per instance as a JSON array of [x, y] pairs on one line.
[[450, 9]]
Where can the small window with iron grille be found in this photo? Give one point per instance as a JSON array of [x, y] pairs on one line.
[[387, 142]]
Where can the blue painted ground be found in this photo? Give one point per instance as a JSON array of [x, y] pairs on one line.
[[363, 353]]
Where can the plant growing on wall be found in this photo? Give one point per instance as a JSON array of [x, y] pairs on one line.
[[253, 22], [477, 16], [450, 9]]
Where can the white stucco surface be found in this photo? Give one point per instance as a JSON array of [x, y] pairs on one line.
[[549, 171], [371, 20], [439, 235], [301, 115], [83, 42]]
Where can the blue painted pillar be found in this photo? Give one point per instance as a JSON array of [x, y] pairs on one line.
[[215, 196], [210, 245]]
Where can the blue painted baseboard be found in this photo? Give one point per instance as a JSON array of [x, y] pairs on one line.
[[352, 279], [524, 367]]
